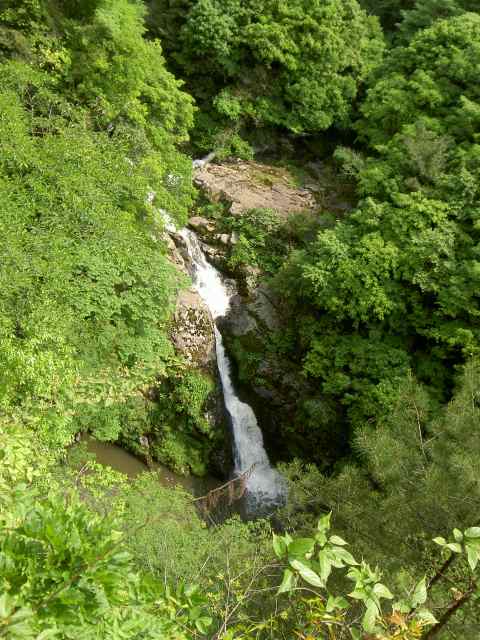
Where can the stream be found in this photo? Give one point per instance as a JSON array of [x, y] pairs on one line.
[[265, 487]]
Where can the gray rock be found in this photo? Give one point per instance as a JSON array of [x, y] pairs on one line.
[[239, 322], [263, 307], [223, 238], [201, 225], [193, 333]]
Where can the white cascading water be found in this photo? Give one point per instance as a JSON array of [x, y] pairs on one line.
[[265, 486]]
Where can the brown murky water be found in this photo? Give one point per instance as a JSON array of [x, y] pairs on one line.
[[111, 455]]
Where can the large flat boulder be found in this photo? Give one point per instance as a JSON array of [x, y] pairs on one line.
[[251, 185]]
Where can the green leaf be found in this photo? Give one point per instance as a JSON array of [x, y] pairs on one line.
[[307, 574], [203, 624], [191, 590], [370, 617], [337, 540], [279, 546], [402, 606], [419, 595], [358, 594], [426, 616], [346, 556], [321, 538], [440, 541], [22, 614], [324, 523], [287, 582], [300, 548], [195, 613], [288, 539], [381, 591], [325, 566], [472, 532], [473, 556], [454, 546], [334, 603], [458, 535], [6, 605]]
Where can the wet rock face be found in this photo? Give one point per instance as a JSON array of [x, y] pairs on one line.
[[258, 313], [270, 382]]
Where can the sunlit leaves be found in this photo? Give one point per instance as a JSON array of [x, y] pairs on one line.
[[287, 582], [66, 570], [307, 574], [467, 542], [306, 59], [409, 615], [82, 327]]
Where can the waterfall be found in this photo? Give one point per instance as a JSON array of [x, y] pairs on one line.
[[265, 486]]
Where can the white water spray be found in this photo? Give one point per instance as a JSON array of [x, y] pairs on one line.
[[265, 486]]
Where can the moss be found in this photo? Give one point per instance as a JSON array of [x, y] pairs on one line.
[[180, 452], [176, 422], [247, 351]]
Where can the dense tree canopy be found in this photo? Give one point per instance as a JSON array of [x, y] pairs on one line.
[[396, 282], [89, 120], [77, 261], [431, 80], [294, 65]]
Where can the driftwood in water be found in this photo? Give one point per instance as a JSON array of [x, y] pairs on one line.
[[229, 492]]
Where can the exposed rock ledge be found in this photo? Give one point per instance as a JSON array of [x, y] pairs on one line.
[[250, 185]]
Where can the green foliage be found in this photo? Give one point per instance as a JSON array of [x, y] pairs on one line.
[[182, 434], [90, 120], [311, 561], [389, 11], [294, 65], [467, 542], [231, 562], [83, 331], [22, 14], [88, 162], [432, 80], [82, 328], [408, 483], [425, 12], [121, 76], [65, 570], [394, 285], [402, 18], [262, 238]]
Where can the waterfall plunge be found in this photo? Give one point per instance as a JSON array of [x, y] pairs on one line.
[[265, 486]]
